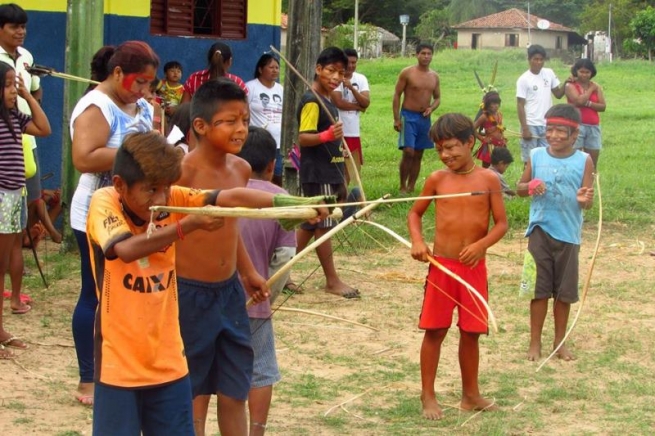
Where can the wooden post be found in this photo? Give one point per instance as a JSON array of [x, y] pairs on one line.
[[303, 47], [84, 36]]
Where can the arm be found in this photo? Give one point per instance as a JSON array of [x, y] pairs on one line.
[[520, 110], [400, 88], [341, 103], [186, 97], [253, 282], [89, 150], [577, 98], [585, 194], [473, 253], [308, 136], [38, 95], [436, 99], [39, 125], [477, 125], [522, 185], [420, 250], [599, 106], [558, 91]]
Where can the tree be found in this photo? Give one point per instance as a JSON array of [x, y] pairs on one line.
[[643, 29], [465, 10], [434, 27]]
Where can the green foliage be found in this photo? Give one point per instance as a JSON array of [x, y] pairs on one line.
[[464, 10], [643, 28], [342, 36], [434, 27]]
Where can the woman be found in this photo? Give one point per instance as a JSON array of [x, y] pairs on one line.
[[588, 97], [219, 61], [265, 100], [100, 121]]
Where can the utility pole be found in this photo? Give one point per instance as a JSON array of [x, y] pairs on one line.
[[356, 27], [303, 47], [84, 36]]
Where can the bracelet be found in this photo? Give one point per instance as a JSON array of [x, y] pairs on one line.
[[327, 135], [180, 234], [588, 104]]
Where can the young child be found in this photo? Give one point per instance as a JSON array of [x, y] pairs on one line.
[[559, 178], [13, 210], [170, 88], [322, 165], [141, 371], [269, 247], [491, 123], [501, 158], [461, 239], [213, 318]]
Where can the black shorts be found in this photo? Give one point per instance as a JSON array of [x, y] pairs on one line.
[[557, 267], [313, 189]]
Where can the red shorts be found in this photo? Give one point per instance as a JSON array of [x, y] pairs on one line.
[[442, 292], [355, 147]]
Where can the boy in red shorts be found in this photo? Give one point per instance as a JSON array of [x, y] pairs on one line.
[[462, 237]]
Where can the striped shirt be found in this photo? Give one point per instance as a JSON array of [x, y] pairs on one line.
[[199, 77], [12, 162]]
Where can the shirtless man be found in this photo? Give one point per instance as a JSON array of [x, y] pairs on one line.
[[420, 86]]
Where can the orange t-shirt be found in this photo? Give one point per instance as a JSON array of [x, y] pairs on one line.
[[137, 332]]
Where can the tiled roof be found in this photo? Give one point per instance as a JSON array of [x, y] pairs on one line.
[[509, 19]]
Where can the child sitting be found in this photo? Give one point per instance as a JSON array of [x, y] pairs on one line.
[[501, 158], [170, 89]]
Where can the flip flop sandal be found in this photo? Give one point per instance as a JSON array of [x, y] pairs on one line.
[[25, 299], [9, 343]]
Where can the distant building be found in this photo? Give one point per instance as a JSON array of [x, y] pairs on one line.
[[514, 28], [599, 47], [373, 41]]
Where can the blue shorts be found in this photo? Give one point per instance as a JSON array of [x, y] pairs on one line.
[[163, 410], [538, 140], [279, 163], [589, 138], [216, 333], [415, 131]]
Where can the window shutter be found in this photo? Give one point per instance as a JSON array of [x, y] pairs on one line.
[[232, 18], [179, 17]]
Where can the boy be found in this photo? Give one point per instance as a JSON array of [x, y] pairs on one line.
[[501, 158], [560, 179], [269, 247], [170, 89], [352, 97], [213, 318], [141, 371], [461, 239], [421, 92], [533, 91], [322, 169]]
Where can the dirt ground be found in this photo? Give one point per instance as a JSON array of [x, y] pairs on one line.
[[325, 362]]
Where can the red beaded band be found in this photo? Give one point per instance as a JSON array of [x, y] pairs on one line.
[[562, 122]]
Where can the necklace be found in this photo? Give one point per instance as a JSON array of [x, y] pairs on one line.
[[465, 172]]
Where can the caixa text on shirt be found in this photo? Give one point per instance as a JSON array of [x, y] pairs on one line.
[[148, 284]]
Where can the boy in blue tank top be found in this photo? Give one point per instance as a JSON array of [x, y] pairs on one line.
[[559, 179]]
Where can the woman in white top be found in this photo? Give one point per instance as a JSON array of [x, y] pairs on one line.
[[265, 96], [100, 121]]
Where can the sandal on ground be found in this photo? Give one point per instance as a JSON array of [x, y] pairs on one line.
[[14, 342], [6, 354], [22, 310], [26, 299], [294, 288]]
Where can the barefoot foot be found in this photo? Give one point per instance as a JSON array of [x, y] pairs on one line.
[[477, 404], [431, 409], [534, 352], [564, 354], [84, 393]]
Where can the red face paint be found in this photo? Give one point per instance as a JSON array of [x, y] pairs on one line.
[[128, 79]]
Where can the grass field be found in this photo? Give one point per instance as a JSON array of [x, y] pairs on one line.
[[344, 379]]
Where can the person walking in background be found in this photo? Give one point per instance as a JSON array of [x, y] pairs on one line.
[[219, 61], [265, 96], [419, 87], [533, 90], [351, 98], [99, 123], [588, 97]]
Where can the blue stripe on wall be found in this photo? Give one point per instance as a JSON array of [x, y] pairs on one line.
[[46, 40]]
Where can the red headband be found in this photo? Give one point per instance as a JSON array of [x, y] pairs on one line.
[[562, 122]]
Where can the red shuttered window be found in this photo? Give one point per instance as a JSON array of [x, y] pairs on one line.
[[211, 18]]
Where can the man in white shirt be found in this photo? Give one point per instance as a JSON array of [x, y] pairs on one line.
[[352, 97], [533, 90]]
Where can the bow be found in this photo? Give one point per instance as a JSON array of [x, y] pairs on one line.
[[352, 168], [40, 70], [435, 263], [585, 287]]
